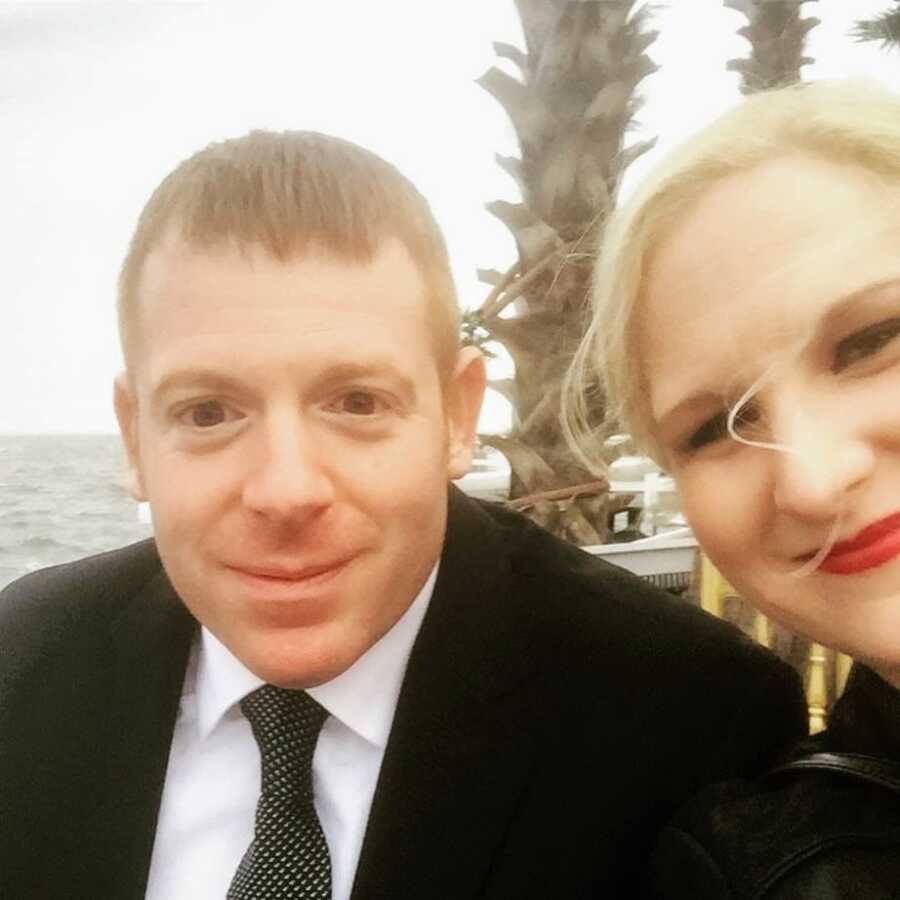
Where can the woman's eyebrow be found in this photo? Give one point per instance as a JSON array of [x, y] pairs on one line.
[[842, 307], [700, 399]]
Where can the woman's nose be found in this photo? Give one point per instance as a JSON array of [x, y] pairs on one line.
[[822, 459]]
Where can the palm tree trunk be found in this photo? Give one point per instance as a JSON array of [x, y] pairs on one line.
[[776, 32], [571, 107]]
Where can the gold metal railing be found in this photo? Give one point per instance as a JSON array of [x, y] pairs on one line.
[[824, 671]]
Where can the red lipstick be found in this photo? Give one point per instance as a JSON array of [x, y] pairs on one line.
[[875, 545]]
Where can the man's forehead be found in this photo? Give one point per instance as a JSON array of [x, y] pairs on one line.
[[176, 265], [178, 242], [243, 303]]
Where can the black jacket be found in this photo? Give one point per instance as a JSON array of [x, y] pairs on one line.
[[555, 712], [799, 834]]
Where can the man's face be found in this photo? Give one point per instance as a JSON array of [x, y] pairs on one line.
[[287, 424]]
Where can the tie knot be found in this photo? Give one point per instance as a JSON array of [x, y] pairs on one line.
[[286, 726]]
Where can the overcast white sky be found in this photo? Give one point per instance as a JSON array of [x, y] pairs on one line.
[[98, 101]]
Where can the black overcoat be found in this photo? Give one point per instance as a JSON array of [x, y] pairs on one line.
[[554, 713]]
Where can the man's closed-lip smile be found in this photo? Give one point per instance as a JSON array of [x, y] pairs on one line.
[[278, 579]]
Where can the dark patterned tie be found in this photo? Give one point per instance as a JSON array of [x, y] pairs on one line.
[[288, 857]]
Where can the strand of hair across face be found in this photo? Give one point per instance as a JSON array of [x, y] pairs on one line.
[[813, 563], [741, 403]]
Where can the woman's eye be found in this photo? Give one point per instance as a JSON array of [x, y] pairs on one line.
[[864, 344], [207, 414], [716, 428], [709, 432]]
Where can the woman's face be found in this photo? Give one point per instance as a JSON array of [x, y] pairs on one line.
[[787, 277]]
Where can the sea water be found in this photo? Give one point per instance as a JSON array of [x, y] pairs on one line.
[[62, 497]]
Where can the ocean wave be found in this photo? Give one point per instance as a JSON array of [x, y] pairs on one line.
[[39, 542], [52, 510]]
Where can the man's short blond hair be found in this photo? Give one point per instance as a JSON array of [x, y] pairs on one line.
[[852, 122], [292, 192]]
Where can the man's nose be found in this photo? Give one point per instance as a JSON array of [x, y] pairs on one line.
[[823, 460], [287, 478]]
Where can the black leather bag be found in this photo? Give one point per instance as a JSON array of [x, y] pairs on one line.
[[863, 862], [875, 770]]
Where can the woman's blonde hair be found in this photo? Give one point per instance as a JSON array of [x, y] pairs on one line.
[[851, 122]]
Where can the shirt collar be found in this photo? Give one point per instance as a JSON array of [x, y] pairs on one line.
[[363, 697]]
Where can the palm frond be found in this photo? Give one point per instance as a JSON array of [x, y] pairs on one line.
[[884, 28]]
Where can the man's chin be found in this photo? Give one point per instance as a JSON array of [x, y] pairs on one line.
[[296, 670]]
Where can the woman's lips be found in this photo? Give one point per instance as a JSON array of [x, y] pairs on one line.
[[875, 545]]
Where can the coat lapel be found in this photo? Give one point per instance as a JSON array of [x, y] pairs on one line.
[[457, 759], [150, 644]]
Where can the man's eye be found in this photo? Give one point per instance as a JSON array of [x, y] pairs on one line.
[[207, 414], [359, 403], [864, 343]]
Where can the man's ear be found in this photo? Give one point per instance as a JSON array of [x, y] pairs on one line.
[[125, 403], [464, 393]]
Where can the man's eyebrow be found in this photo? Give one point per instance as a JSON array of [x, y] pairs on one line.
[[208, 379], [332, 375], [340, 373]]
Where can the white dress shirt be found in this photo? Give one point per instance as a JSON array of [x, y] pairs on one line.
[[213, 778]]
